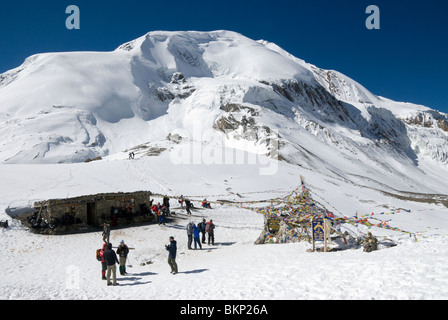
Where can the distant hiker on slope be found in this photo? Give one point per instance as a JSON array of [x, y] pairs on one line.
[[123, 252], [111, 258], [172, 249]]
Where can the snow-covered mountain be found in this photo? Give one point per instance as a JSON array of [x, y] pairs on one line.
[[167, 91], [208, 114]]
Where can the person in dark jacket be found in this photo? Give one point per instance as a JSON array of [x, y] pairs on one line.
[[201, 227], [210, 229], [188, 205], [172, 249], [111, 259]]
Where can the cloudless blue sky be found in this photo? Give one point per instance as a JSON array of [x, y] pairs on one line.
[[406, 60]]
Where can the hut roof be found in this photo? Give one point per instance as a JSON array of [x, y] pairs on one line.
[[90, 198]]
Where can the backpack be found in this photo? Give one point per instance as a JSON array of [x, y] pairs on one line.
[[208, 228], [98, 255]]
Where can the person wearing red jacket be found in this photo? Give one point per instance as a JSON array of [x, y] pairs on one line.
[[210, 229], [155, 212], [103, 263]]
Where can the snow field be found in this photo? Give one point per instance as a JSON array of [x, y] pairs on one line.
[[64, 267]]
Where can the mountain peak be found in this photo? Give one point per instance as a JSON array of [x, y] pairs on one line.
[[215, 53]]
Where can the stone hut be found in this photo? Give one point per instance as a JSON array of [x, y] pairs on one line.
[[85, 212]]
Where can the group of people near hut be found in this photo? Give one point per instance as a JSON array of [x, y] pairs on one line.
[[110, 258], [160, 212], [189, 204]]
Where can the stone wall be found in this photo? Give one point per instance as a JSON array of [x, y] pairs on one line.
[[68, 215]]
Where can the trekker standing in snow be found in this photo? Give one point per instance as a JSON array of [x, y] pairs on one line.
[[210, 229], [196, 237], [181, 201], [106, 233], [111, 258], [188, 205], [201, 227], [123, 252], [190, 234], [155, 211], [166, 203], [172, 249], [103, 263], [162, 215]]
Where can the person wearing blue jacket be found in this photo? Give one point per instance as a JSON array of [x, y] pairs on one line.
[[172, 249], [196, 237]]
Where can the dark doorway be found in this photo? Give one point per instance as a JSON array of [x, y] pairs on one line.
[[91, 213]]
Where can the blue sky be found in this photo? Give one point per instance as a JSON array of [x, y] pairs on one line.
[[406, 60]]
